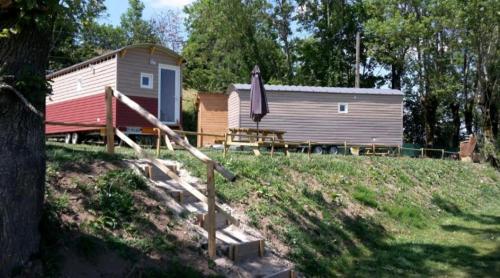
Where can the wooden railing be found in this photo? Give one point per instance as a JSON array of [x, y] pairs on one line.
[[211, 164]]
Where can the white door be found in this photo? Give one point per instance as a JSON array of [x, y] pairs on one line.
[[169, 88]]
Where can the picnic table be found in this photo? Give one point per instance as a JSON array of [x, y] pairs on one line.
[[255, 138]]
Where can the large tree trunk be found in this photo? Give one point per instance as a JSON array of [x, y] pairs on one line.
[[23, 57], [455, 112]]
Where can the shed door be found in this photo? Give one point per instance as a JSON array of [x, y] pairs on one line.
[[169, 94]]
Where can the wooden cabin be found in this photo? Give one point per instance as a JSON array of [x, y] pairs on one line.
[[324, 114], [149, 74], [212, 117]]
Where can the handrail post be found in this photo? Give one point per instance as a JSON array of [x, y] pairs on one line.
[[158, 141], [211, 209], [422, 152], [345, 148], [442, 154], [399, 150], [201, 138], [110, 133], [309, 149]]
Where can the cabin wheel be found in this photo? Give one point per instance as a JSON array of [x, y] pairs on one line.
[[318, 150], [67, 138], [333, 150], [75, 138]]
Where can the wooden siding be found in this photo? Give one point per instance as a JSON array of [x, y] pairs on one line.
[[233, 114], [212, 117], [370, 119], [93, 80], [137, 60], [89, 110], [128, 117]]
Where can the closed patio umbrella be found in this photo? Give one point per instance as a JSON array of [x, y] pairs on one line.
[[258, 100]]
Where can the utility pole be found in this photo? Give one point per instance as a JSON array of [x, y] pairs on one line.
[[358, 39]]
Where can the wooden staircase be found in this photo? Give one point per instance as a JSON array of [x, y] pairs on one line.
[[232, 241], [213, 221]]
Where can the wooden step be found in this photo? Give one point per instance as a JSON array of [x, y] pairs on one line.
[[156, 174], [176, 191], [237, 244], [286, 273], [242, 245], [200, 209]]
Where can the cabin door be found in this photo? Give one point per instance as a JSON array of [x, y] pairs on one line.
[[169, 88]]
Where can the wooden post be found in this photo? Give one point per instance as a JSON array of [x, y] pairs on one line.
[[309, 149], [442, 154], [373, 149], [422, 152], [110, 132], [211, 210], [168, 143], [272, 147], [356, 77], [158, 141], [225, 145], [345, 148], [201, 138], [399, 150]]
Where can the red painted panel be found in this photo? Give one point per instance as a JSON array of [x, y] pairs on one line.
[[128, 117], [90, 109]]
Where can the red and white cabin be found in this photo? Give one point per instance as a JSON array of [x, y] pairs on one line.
[[149, 74]]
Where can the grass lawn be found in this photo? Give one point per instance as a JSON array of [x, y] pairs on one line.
[[365, 216]]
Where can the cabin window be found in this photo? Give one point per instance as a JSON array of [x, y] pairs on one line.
[[146, 80], [343, 108]]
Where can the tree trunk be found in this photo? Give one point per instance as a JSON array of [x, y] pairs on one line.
[[455, 112], [23, 57], [396, 72]]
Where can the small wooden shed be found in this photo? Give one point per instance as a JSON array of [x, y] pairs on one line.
[[324, 114], [212, 117], [149, 74]]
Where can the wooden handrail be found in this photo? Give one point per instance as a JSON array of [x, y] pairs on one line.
[[172, 134], [74, 124], [193, 191]]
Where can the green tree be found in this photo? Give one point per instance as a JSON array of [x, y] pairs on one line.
[[226, 39], [327, 57], [26, 37], [137, 30], [282, 19]]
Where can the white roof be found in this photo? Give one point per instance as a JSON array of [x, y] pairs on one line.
[[317, 89]]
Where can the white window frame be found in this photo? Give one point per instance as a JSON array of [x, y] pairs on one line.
[[148, 75], [177, 97], [346, 105]]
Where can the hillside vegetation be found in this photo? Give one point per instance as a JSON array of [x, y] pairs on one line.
[[100, 220], [370, 216], [364, 216]]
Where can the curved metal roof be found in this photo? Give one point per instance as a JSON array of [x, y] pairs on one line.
[[106, 55], [318, 89]]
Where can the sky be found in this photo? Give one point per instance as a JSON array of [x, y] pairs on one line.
[[115, 8]]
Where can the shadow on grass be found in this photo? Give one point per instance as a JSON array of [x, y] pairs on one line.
[[350, 246], [454, 210], [68, 252], [60, 154]]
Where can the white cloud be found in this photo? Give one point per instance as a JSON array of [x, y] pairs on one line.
[[168, 3]]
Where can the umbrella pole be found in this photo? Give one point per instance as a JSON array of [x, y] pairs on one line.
[[257, 130]]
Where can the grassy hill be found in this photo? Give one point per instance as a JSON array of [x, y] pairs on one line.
[[364, 216]]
